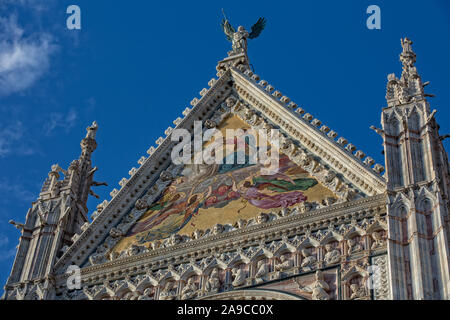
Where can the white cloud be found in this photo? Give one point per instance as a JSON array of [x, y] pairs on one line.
[[37, 5], [5, 252], [14, 139], [65, 121], [3, 240], [23, 59], [9, 135], [16, 191]]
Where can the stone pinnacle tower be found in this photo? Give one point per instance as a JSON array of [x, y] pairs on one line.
[[51, 223], [417, 186]]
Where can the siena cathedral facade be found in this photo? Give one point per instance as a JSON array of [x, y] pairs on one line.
[[329, 225]]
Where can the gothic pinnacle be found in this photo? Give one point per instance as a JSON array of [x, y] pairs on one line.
[[88, 144]]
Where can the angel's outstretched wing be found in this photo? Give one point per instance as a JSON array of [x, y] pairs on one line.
[[228, 29], [257, 28]]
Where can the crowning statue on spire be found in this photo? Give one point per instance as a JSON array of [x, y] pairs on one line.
[[92, 130], [239, 38]]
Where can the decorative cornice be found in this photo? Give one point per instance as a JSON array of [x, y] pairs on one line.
[[291, 225]]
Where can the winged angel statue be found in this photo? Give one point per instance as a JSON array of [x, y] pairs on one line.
[[239, 38]]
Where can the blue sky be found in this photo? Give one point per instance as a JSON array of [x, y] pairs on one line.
[[135, 66]]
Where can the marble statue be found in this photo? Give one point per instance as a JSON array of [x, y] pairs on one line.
[[263, 269], [357, 291], [353, 246], [332, 255], [239, 277], [190, 290], [308, 259], [213, 283], [318, 289], [239, 38], [169, 292], [377, 240], [284, 264]]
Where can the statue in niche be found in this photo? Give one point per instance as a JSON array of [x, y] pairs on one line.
[[213, 283], [332, 255], [353, 246], [378, 241], [169, 292], [284, 264], [357, 291], [239, 277], [308, 259], [190, 290], [263, 269], [318, 289]]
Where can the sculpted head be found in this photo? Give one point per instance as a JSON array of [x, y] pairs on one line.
[[133, 250], [262, 218], [330, 175], [328, 247], [240, 223], [175, 239], [197, 234], [155, 245], [376, 236], [230, 101], [214, 272], [217, 229], [169, 285], [350, 242], [141, 204]]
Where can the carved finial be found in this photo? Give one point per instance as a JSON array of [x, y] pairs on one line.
[[92, 130], [88, 144], [409, 86], [406, 45], [408, 58]]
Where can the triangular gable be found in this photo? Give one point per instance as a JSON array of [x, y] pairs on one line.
[[237, 92]]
